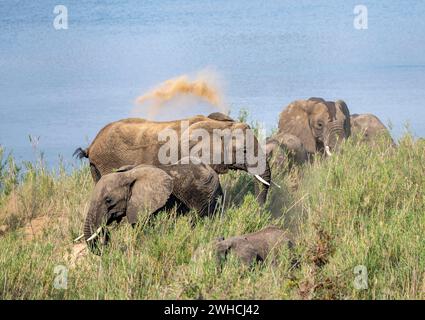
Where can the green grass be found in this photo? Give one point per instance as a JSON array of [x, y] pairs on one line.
[[361, 207]]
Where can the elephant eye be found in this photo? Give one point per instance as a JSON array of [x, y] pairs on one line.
[[320, 125], [108, 200]]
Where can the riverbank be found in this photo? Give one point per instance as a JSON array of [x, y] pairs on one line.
[[363, 207]]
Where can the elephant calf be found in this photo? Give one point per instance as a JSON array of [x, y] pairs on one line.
[[145, 189], [281, 146], [253, 247]]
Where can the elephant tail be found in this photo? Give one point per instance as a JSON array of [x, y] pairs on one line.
[[80, 153]]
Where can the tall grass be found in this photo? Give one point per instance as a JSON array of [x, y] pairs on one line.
[[363, 206]]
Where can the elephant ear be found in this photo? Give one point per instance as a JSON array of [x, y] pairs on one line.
[[220, 117], [242, 248], [316, 99], [344, 108], [150, 188], [295, 120], [271, 145], [278, 140]]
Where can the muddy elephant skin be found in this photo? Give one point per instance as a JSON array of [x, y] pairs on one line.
[[136, 141], [369, 129]]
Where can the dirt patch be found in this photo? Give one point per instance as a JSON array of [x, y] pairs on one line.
[[11, 205], [31, 229], [3, 229], [35, 227], [9, 211], [319, 254], [78, 252]]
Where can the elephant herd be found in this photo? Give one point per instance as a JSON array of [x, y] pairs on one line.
[[131, 178], [316, 126]]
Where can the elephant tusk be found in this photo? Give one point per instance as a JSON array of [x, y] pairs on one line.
[[78, 238], [327, 151], [94, 235], [277, 185], [261, 180]]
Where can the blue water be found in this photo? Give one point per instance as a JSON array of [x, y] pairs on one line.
[[64, 85]]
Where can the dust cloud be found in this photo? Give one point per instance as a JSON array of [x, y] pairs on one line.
[[182, 92]]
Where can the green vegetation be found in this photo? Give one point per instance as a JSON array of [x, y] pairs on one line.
[[362, 206]]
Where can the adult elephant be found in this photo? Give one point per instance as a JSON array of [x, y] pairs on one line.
[[139, 141], [369, 129], [146, 189], [320, 125]]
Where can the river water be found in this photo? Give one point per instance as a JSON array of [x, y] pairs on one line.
[[62, 86]]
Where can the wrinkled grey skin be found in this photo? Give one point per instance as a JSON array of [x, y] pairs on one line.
[[253, 247], [145, 189], [320, 125], [369, 129], [280, 145]]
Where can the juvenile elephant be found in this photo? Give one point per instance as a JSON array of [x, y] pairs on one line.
[[281, 146], [320, 125], [145, 189], [368, 128], [138, 141], [253, 247]]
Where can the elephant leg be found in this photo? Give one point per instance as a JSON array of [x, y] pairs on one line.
[[174, 203], [210, 205]]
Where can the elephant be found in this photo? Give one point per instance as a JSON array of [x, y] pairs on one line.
[[320, 125], [369, 129], [280, 146], [253, 247], [146, 189], [137, 141]]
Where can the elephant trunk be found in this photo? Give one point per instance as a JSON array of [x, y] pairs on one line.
[[334, 137], [92, 231], [262, 188]]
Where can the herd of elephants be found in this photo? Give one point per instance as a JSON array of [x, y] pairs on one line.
[[130, 180]]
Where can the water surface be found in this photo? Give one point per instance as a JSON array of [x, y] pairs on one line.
[[64, 85]]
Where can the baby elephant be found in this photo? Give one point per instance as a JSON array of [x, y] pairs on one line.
[[253, 247], [283, 145], [145, 189]]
